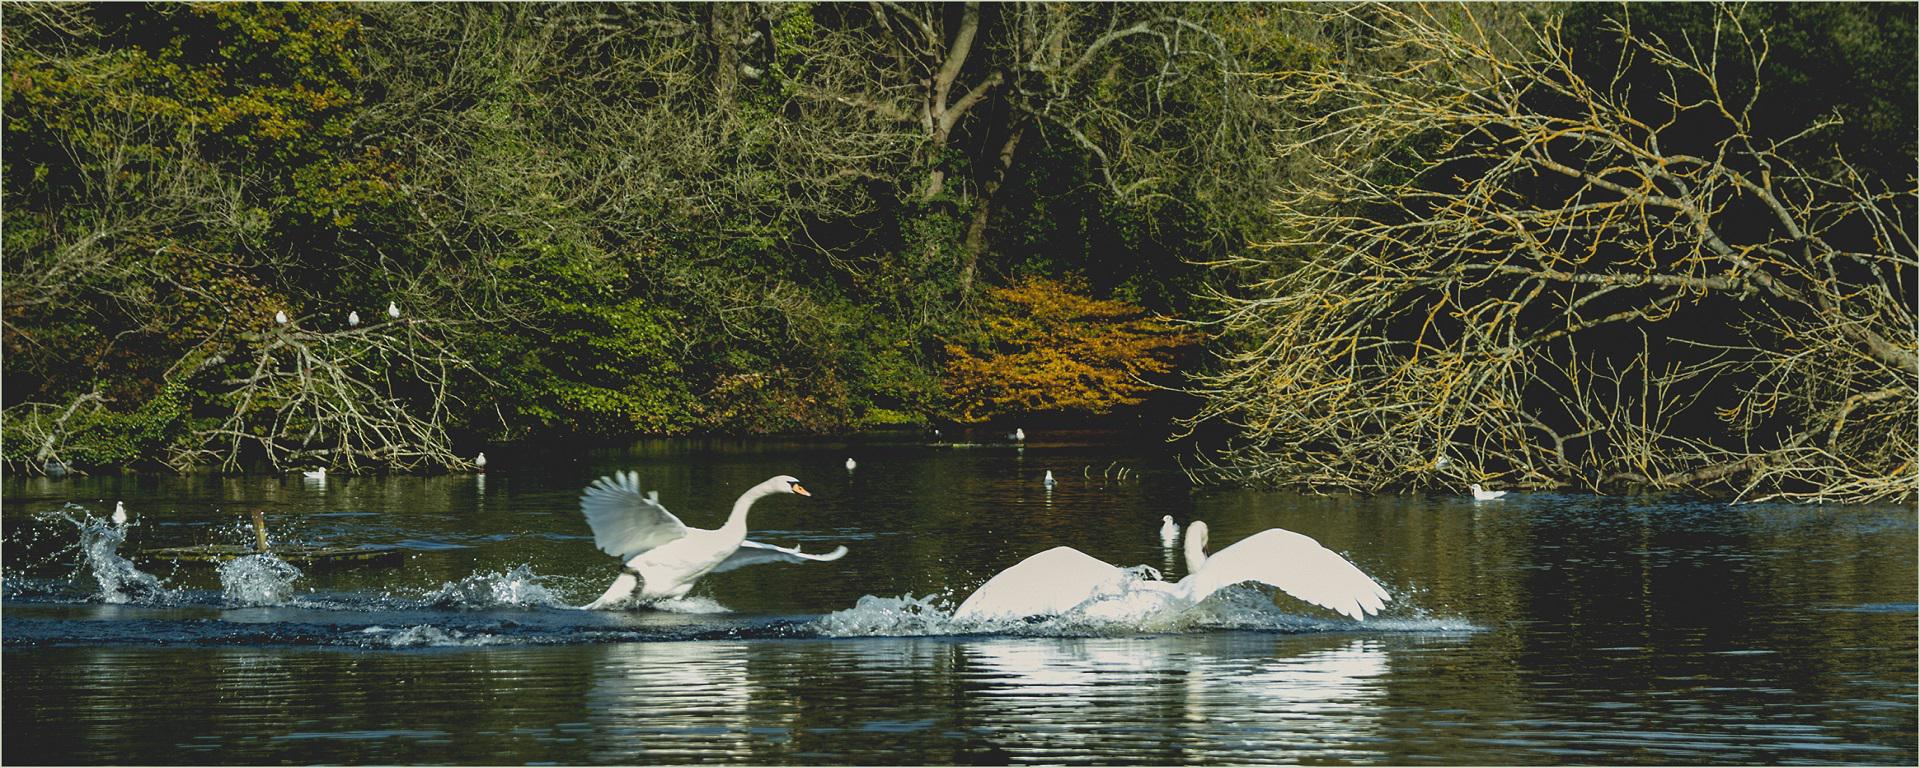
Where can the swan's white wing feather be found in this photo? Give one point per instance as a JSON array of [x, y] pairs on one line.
[[755, 553], [626, 523], [1295, 564], [1045, 584]]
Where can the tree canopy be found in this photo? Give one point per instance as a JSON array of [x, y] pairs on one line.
[[1613, 247]]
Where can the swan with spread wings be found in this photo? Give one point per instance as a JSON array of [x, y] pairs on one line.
[[663, 558], [1063, 578]]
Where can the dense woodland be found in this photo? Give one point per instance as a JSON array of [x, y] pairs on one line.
[[1369, 247]]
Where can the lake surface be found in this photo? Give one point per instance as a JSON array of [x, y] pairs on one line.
[[1538, 628]]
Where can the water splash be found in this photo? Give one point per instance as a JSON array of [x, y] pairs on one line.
[[903, 616], [696, 604], [118, 579], [257, 580], [1131, 606], [425, 636], [518, 587]]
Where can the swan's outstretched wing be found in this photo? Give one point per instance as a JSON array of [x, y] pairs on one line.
[[1295, 564], [624, 522], [1045, 584], [755, 553]]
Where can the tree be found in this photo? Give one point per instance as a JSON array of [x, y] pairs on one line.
[[1046, 347], [1556, 280]]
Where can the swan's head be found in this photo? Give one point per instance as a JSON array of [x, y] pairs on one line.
[[783, 484], [1196, 534]]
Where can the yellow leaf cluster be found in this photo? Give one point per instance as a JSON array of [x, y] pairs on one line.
[[1046, 347]]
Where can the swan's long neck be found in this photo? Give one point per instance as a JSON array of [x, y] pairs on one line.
[[737, 520], [1196, 551]]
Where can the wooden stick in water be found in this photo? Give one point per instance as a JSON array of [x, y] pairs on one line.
[[259, 531]]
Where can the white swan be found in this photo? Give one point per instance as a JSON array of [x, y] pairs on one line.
[[1482, 494], [1062, 578], [1169, 532], [662, 556]]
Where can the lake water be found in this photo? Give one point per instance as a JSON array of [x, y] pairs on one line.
[[1538, 628]]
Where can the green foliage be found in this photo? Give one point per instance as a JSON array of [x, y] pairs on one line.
[[102, 437]]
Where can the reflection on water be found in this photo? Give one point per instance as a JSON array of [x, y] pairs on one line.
[[1545, 629], [1238, 701], [670, 702]]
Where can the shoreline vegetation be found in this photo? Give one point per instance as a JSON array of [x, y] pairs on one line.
[[1373, 248]]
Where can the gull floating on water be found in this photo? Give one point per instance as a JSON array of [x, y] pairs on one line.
[[1482, 494], [1169, 532], [480, 461], [353, 319], [280, 316], [119, 513], [850, 464], [1048, 481], [315, 474], [393, 310]]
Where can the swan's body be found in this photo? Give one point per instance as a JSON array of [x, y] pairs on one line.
[[1062, 578], [315, 474], [663, 558], [393, 310], [119, 513], [353, 319], [1048, 480], [1482, 494], [1169, 532]]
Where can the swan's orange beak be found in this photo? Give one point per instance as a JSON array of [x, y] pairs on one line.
[[799, 490]]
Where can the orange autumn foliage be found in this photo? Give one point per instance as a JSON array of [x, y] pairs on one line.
[[1048, 348]]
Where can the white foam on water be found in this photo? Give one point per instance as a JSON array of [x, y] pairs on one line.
[[427, 636], [517, 587], [693, 604], [1130, 607], [257, 580]]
